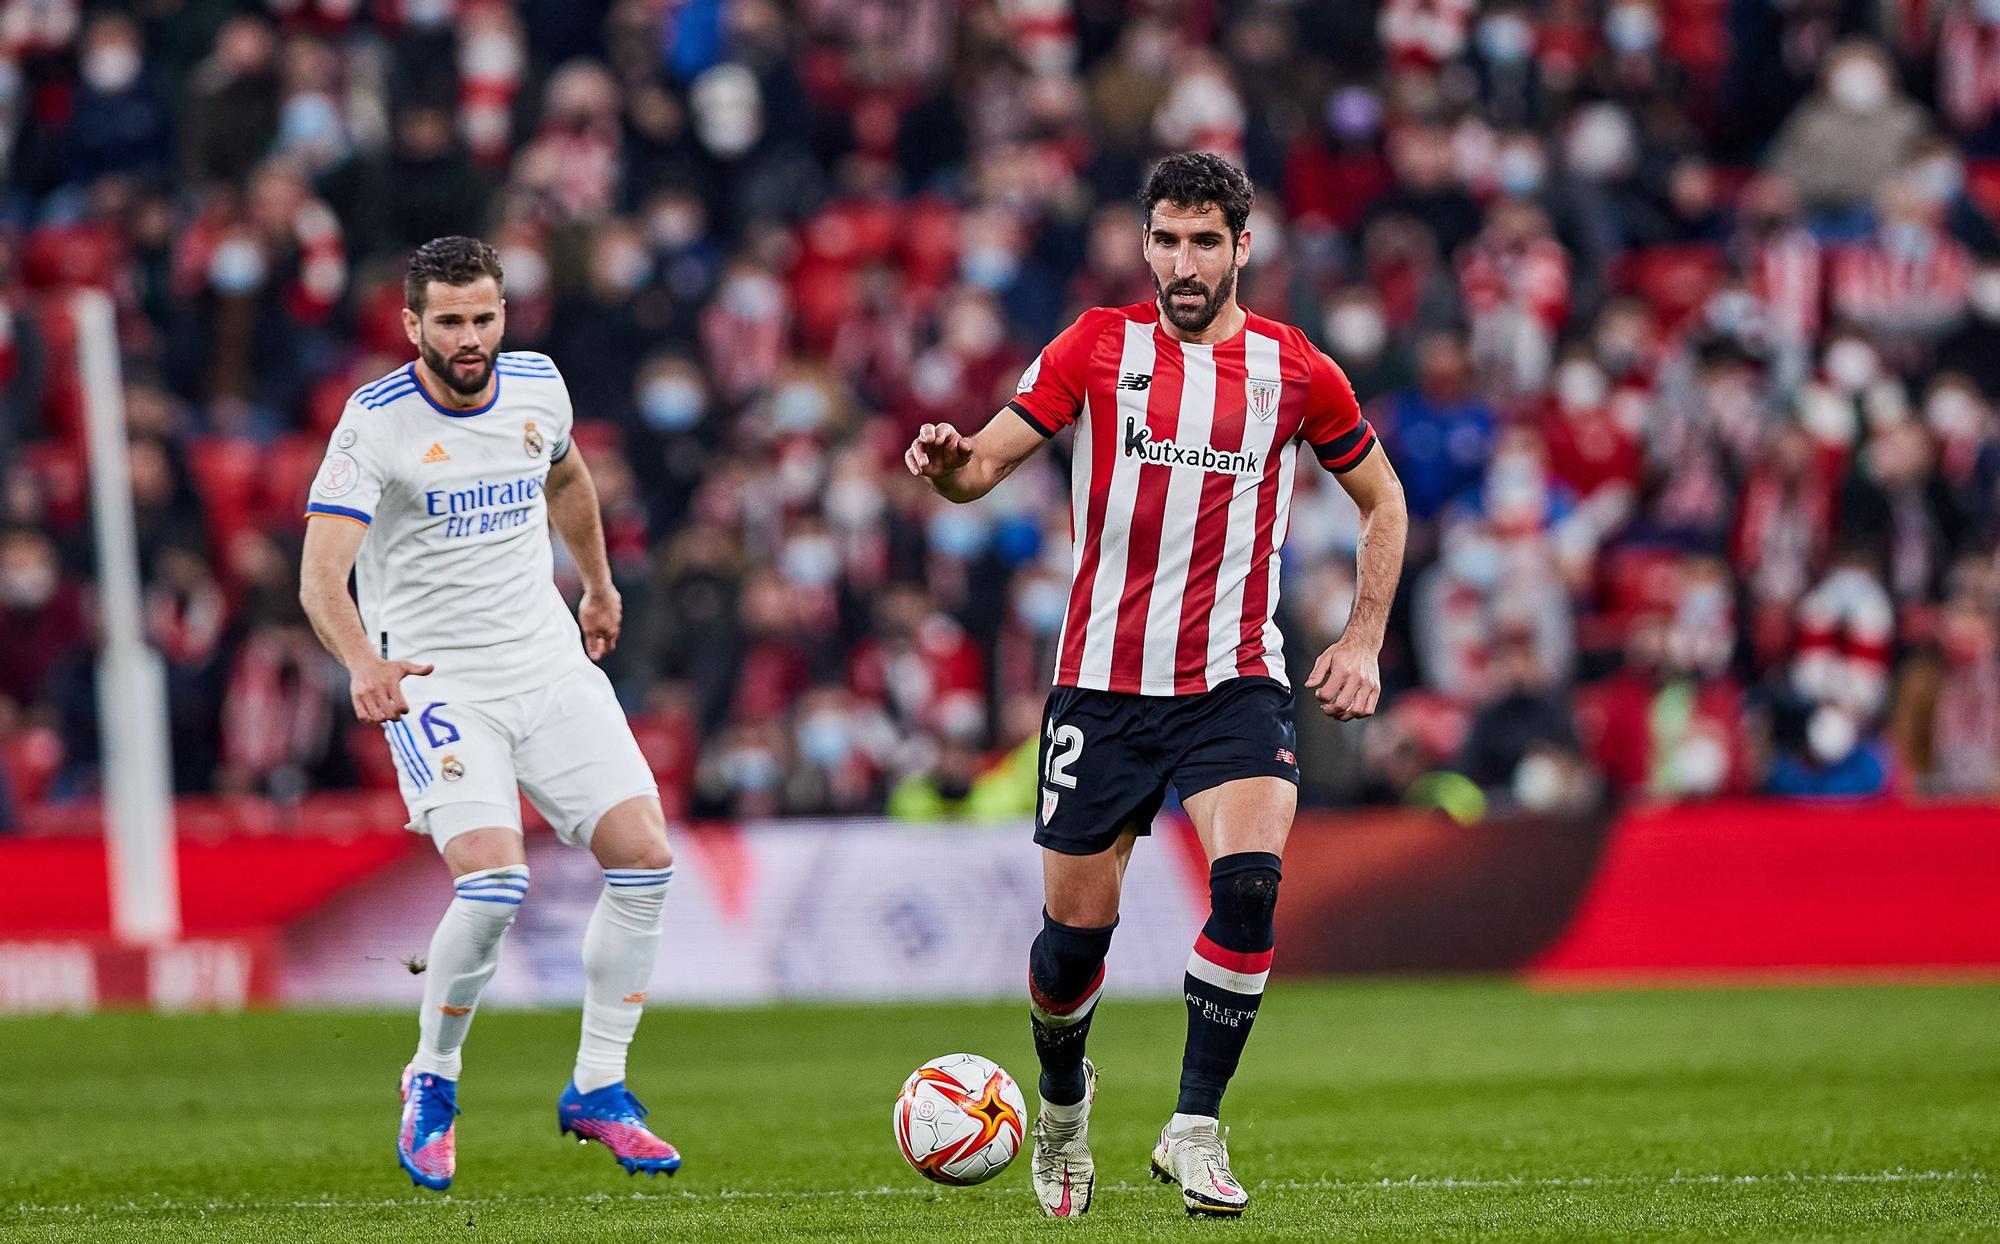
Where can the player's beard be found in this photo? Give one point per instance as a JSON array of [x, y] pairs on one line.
[[443, 369], [1197, 320]]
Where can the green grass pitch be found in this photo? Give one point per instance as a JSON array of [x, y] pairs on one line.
[[1391, 1110]]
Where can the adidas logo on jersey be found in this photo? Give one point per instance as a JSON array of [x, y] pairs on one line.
[[1139, 440], [436, 453]]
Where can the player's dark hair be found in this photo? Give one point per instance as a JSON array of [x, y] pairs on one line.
[[452, 261], [1192, 180]]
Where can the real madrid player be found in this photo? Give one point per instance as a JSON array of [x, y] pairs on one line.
[[438, 491]]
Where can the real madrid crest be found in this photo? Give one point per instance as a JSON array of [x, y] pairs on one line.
[[451, 767], [1263, 398], [531, 440]]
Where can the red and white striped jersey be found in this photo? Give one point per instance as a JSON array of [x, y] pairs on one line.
[[1181, 491]]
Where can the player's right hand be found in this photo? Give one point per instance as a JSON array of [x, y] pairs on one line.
[[938, 450], [377, 688]]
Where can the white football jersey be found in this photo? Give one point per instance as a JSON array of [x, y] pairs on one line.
[[457, 569]]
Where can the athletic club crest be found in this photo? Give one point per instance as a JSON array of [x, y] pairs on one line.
[[1264, 399], [531, 440]]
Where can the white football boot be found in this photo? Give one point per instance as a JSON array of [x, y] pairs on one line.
[[1061, 1170], [1197, 1160]]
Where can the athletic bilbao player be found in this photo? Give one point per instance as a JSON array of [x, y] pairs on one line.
[[1189, 413]]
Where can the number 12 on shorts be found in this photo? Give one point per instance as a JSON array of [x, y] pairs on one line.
[[1065, 745]]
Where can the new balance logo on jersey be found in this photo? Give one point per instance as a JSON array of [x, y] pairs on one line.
[[436, 453], [1136, 382], [1139, 441]]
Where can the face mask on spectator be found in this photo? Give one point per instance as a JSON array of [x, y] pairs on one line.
[[810, 561], [623, 268], [1539, 783], [527, 271], [1831, 734], [490, 55], [669, 404], [1734, 311], [1851, 364], [1939, 179], [989, 267], [799, 408], [1521, 170], [1474, 559], [1041, 606], [1953, 414], [1336, 608], [823, 740], [112, 68], [1506, 38], [1859, 85], [728, 110], [1600, 143], [754, 297], [751, 769], [853, 503], [1984, 294], [957, 533], [1906, 239], [1356, 330], [1580, 386], [1632, 28], [311, 123], [1700, 764], [236, 267]]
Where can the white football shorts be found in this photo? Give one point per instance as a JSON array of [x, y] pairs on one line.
[[463, 764]]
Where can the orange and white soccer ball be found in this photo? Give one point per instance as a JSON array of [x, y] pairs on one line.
[[959, 1119]]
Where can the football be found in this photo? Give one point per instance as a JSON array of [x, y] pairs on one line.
[[959, 1119]]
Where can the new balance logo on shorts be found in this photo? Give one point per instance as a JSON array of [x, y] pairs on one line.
[[1136, 382], [1139, 440]]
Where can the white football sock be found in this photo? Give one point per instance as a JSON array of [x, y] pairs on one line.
[[464, 951], [1182, 1124], [618, 951]]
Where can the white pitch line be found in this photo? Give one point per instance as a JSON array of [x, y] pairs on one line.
[[1416, 1182]]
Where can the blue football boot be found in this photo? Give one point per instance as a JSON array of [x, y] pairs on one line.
[[427, 1145], [612, 1117]]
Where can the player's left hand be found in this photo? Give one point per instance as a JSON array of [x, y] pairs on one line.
[[1347, 682], [600, 614]]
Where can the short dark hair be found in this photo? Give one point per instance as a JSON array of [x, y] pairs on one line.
[[454, 261], [1192, 180]]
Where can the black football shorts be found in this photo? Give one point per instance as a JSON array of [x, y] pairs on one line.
[[1107, 756]]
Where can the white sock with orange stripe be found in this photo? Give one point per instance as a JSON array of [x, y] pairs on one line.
[[1225, 976], [464, 951], [619, 946]]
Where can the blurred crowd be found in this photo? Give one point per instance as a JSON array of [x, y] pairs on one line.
[[1678, 318]]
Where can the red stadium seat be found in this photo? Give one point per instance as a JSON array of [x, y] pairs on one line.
[[1675, 280], [228, 476], [289, 469]]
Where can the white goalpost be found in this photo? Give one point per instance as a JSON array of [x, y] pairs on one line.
[[131, 680]]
